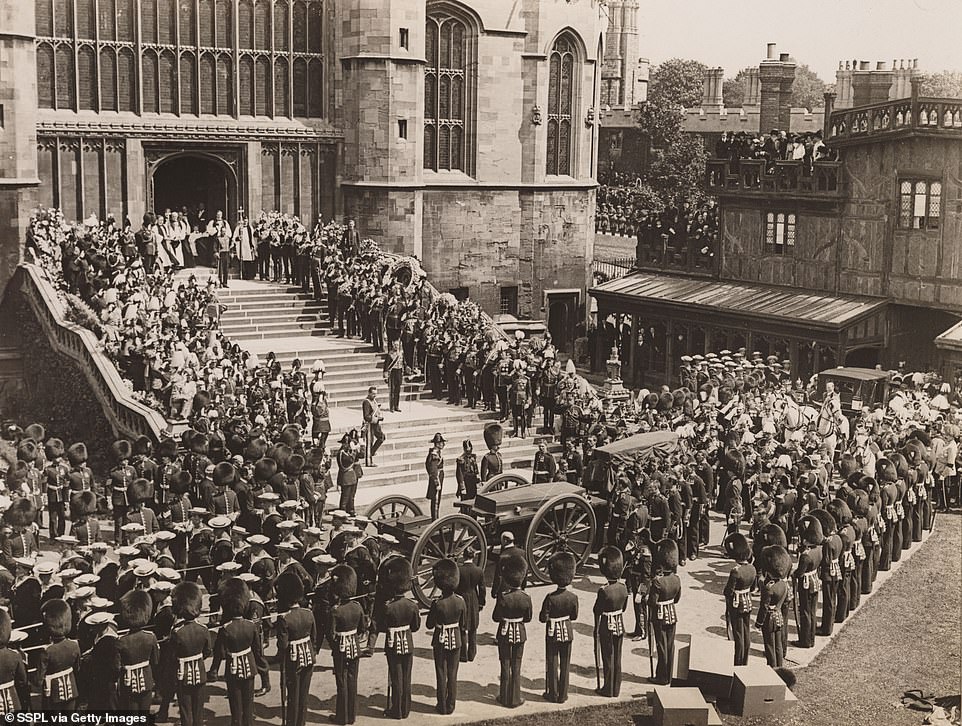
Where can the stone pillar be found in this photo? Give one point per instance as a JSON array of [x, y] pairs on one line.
[[827, 118], [136, 181], [752, 89], [18, 131], [254, 202]]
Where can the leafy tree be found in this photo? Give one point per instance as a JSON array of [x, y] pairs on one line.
[[944, 84], [677, 82], [733, 90]]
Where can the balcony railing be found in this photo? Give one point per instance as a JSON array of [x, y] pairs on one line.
[[942, 115], [757, 176]]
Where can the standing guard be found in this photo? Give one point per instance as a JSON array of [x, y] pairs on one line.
[[400, 618], [559, 611], [434, 466], [738, 595], [512, 610], [472, 589], [447, 620], [609, 619], [662, 616]]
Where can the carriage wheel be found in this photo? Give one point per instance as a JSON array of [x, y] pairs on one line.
[[393, 506], [504, 481], [448, 536], [566, 523]]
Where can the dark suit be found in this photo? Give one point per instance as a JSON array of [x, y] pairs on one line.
[[559, 634], [447, 618], [471, 588]]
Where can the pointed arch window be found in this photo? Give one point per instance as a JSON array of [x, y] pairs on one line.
[[562, 74]]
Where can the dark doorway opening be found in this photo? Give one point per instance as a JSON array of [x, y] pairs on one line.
[[197, 183], [863, 357], [562, 319]]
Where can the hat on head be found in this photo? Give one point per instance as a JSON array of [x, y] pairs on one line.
[[127, 551], [290, 590], [99, 617], [810, 530], [259, 540], [340, 514], [57, 617], [87, 578], [514, 568], [145, 569], [446, 574], [397, 575], [389, 538], [324, 559], [45, 567], [249, 577], [165, 535], [611, 562], [775, 560], [438, 438], [666, 555], [235, 596], [135, 609], [228, 567], [220, 522], [737, 547], [168, 573], [561, 568]]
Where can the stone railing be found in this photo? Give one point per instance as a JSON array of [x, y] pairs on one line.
[[128, 417], [753, 176], [940, 115]]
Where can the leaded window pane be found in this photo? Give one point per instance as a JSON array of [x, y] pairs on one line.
[[66, 97], [108, 80], [126, 80]]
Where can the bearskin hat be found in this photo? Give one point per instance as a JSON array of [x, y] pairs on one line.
[[186, 600], [901, 465], [885, 471], [235, 596], [6, 628], [255, 450], [77, 454], [138, 491], [35, 431], [56, 617], [143, 446], [198, 443], [290, 590], [264, 470], [665, 402], [180, 484], [725, 395], [772, 534], [446, 574], [666, 555], [921, 436], [736, 546], [840, 512], [561, 568], [136, 609], [867, 484], [611, 562], [847, 535], [678, 397], [514, 569], [294, 465], [21, 513], [120, 449], [282, 455], [167, 449], [83, 504], [829, 525], [810, 530], [314, 458], [493, 434], [860, 503], [224, 474], [651, 400], [776, 561], [847, 465], [397, 574], [27, 451], [290, 435], [54, 449], [344, 582]]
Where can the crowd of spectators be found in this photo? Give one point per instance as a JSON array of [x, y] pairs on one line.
[[807, 147]]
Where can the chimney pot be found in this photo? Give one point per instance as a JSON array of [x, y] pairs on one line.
[[863, 65], [771, 51], [783, 57], [915, 62], [881, 66]]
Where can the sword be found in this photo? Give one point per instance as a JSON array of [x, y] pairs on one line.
[[727, 626]]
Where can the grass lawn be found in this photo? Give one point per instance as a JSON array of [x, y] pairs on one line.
[[907, 636]]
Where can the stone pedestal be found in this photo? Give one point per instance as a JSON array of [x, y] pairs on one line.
[[614, 392]]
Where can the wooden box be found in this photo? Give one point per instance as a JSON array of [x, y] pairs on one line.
[[757, 690]]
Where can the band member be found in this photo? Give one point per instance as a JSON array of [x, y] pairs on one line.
[[558, 612], [776, 566], [807, 579], [434, 466], [139, 653], [738, 595], [471, 588], [447, 619], [665, 593], [187, 648], [609, 620], [59, 660], [374, 435], [511, 611], [399, 619], [348, 625], [467, 472]]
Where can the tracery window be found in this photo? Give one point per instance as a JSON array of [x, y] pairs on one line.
[[445, 98], [562, 67]]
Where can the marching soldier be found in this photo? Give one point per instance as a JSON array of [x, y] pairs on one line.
[[664, 594], [434, 466], [609, 619], [559, 611], [738, 595], [81, 478], [400, 618], [511, 611], [447, 619]]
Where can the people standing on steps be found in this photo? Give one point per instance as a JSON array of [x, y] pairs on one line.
[[373, 433], [394, 375], [434, 466]]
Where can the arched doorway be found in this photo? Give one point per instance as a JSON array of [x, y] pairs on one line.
[[197, 182]]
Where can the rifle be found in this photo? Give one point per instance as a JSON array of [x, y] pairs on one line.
[[594, 636]]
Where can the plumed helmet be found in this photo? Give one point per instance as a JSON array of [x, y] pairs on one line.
[[180, 484], [829, 525], [21, 513], [666, 555], [167, 448], [56, 617], [611, 562], [561, 568], [775, 560], [27, 451], [119, 450], [810, 530], [736, 546], [290, 590], [294, 465], [840, 512], [264, 469], [344, 582], [493, 434], [235, 596], [54, 449], [143, 446], [35, 431], [187, 600], [138, 491], [397, 574], [290, 435], [136, 608], [447, 574], [77, 454], [83, 504], [224, 474], [514, 568], [885, 471]]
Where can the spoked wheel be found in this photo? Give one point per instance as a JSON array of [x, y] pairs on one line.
[[449, 537], [391, 507], [504, 481], [565, 523]]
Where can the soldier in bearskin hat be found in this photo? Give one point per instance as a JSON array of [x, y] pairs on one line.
[[886, 475], [138, 494], [57, 483], [348, 625], [121, 476], [471, 588], [512, 610], [139, 653], [224, 500], [399, 619], [775, 564], [807, 579], [187, 648], [60, 660], [84, 524], [842, 515], [15, 688], [80, 478], [21, 541], [830, 569], [297, 647], [491, 463], [664, 594], [738, 595], [609, 627], [559, 611], [447, 621], [239, 644]]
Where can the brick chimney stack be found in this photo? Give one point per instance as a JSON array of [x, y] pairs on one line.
[[776, 76], [871, 86]]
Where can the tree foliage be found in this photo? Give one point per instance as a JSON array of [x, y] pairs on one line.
[[733, 90], [944, 84], [677, 82]]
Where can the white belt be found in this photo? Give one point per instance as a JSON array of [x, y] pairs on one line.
[[7, 694], [189, 669], [135, 676], [301, 652], [511, 629], [240, 664], [347, 643], [397, 639], [615, 622], [63, 681], [559, 629], [447, 635]]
